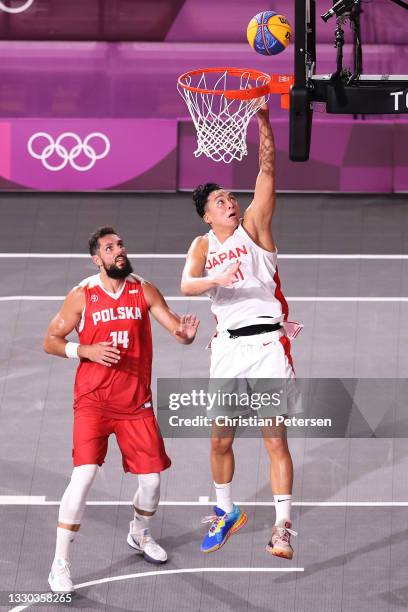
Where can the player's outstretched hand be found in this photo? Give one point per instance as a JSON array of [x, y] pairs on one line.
[[187, 329], [102, 352], [227, 278], [263, 110]]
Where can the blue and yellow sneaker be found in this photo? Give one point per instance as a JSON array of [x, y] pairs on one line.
[[222, 526]]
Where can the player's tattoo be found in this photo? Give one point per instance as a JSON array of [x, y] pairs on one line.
[[266, 148]]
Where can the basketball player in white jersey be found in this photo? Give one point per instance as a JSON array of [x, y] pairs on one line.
[[235, 263]]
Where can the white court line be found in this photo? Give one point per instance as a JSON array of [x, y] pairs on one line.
[[183, 255], [319, 298], [21, 500], [181, 298], [191, 570], [342, 256], [87, 256]]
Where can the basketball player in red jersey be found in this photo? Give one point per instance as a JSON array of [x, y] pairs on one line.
[[235, 263], [110, 312]]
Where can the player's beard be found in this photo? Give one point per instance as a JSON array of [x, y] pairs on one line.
[[115, 272]]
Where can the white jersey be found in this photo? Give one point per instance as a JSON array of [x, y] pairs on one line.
[[256, 292]]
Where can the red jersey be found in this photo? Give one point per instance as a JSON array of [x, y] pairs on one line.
[[122, 390]]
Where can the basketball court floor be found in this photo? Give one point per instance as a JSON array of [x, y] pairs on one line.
[[344, 270]]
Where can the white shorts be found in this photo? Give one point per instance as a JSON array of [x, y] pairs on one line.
[[259, 356], [252, 363]]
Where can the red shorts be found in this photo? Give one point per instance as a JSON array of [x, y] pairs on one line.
[[139, 440]]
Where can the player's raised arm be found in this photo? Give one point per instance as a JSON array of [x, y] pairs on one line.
[[64, 323], [193, 282], [183, 327], [258, 216]]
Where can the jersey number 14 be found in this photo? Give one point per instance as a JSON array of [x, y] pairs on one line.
[[120, 337]]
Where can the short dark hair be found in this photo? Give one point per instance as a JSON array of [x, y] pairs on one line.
[[200, 196], [93, 242]]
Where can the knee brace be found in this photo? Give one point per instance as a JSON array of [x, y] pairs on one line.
[[147, 495], [73, 501]]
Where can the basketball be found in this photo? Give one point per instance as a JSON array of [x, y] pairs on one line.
[[269, 33]]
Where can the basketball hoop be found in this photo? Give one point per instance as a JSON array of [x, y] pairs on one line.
[[222, 101]]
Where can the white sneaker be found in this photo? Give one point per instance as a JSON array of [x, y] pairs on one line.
[[143, 542], [60, 577]]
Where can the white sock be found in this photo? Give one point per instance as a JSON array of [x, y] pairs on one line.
[[72, 507], [140, 523], [224, 496], [65, 537], [146, 498], [283, 505]]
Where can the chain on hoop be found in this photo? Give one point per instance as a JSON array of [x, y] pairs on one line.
[[221, 103]]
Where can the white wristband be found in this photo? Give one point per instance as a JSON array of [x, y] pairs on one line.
[[71, 350]]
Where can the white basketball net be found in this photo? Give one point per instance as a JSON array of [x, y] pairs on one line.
[[221, 123]]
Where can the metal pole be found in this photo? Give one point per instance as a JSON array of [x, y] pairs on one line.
[[300, 108]]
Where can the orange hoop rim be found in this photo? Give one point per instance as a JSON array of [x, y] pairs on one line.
[[238, 94]]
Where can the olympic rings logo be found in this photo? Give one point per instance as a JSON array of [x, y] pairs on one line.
[[18, 9], [68, 155]]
